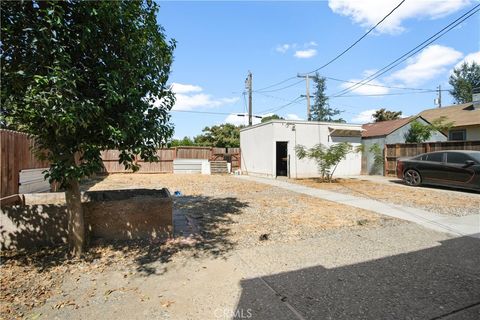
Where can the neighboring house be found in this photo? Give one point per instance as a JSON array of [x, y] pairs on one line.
[[388, 132], [465, 118], [268, 149]]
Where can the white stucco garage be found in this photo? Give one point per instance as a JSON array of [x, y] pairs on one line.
[[268, 149]]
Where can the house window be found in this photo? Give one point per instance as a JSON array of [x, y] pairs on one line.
[[457, 135]]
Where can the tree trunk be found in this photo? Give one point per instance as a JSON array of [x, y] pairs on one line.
[[76, 224]]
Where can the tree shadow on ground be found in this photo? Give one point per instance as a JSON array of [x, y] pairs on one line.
[[434, 283], [208, 223], [206, 229]]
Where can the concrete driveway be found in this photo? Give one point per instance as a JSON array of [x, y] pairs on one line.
[[398, 272]]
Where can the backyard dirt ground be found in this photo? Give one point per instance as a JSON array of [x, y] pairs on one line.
[[230, 214], [239, 212], [245, 230], [449, 203]]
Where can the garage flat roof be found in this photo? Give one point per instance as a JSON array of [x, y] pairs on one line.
[[338, 125]]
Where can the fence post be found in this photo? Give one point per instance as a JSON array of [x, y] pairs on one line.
[[385, 161]]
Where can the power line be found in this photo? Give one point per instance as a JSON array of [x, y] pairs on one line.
[[343, 52], [291, 85], [413, 51], [276, 84], [375, 85], [359, 39], [383, 94], [273, 97], [274, 109]]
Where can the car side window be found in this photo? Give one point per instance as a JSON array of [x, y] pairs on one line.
[[435, 157], [457, 157]]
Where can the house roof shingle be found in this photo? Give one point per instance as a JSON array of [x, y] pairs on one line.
[[460, 114], [384, 128]]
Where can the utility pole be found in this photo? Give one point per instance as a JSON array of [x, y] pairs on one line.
[[307, 93], [248, 86], [439, 96]]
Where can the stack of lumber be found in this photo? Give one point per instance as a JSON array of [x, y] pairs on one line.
[[218, 167]]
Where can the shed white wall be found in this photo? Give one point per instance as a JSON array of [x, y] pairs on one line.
[[258, 146], [257, 150]]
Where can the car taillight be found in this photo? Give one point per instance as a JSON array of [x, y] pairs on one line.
[[400, 169]]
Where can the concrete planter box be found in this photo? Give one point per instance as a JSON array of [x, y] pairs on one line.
[[109, 214]]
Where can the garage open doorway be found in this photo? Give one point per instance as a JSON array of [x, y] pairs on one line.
[[282, 159]]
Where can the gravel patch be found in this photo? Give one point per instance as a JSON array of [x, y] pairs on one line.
[[430, 200]]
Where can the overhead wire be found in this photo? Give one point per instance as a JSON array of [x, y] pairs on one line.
[[274, 90], [413, 51], [383, 94], [359, 39], [276, 84], [376, 85], [275, 109], [343, 52]]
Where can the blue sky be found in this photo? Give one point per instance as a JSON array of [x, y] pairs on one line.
[[219, 42]]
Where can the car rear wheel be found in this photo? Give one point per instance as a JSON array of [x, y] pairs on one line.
[[412, 177]]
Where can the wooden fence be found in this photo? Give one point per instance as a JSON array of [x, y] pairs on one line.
[[166, 157], [394, 151], [16, 155]]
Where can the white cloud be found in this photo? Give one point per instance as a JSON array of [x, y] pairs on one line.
[[185, 88], [305, 54], [373, 87], [237, 120], [292, 116], [368, 13], [190, 102], [431, 62], [283, 48], [469, 58], [187, 99], [364, 116]]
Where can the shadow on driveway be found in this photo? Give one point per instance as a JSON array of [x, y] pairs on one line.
[[442, 282]]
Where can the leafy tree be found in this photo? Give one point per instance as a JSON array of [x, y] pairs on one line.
[[185, 142], [81, 77], [321, 110], [463, 80], [378, 159], [419, 132], [272, 117], [222, 136], [327, 158], [385, 115]]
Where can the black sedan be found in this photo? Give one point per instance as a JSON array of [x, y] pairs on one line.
[[453, 168]]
